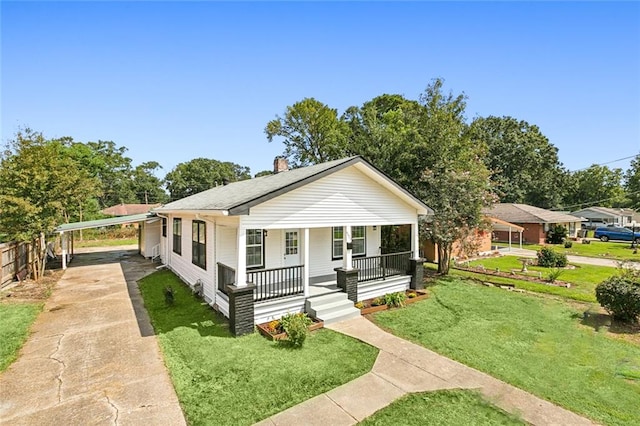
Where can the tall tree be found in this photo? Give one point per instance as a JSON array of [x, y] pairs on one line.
[[455, 182], [107, 162], [632, 183], [41, 186], [595, 186], [201, 174], [525, 165], [146, 186], [311, 132]]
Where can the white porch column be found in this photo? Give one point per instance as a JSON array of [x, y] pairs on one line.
[[241, 264], [415, 240], [520, 240], [509, 238], [305, 262], [63, 244], [347, 253]]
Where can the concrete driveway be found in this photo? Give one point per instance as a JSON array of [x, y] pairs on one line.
[[92, 357]]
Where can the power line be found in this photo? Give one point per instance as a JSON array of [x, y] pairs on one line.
[[605, 163], [591, 203]]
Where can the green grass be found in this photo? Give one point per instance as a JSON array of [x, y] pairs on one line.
[[106, 243], [610, 250], [580, 294], [443, 408], [531, 342], [220, 379], [14, 329], [583, 279]]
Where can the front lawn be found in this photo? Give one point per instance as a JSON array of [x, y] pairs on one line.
[[442, 408], [531, 342], [220, 379], [583, 279], [608, 250], [14, 329]]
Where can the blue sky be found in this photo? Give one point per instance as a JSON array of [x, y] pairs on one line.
[[176, 81]]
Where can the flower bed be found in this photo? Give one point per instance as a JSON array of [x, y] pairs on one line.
[[513, 274], [272, 330], [377, 304]]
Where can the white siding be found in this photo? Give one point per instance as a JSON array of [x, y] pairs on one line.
[[149, 237], [181, 263], [226, 242], [346, 197], [320, 251], [276, 309]]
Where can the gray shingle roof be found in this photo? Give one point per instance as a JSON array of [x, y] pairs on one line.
[[237, 197], [524, 213]]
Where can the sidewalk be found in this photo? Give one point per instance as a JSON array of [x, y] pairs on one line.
[[403, 367], [92, 357]]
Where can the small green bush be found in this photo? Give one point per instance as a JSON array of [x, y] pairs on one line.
[[549, 258], [620, 296], [568, 244], [378, 301], [395, 300], [554, 274], [169, 295], [297, 328], [557, 234]]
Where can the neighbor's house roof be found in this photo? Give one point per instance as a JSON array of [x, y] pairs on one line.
[[120, 220], [129, 209], [524, 213], [238, 197], [603, 212]]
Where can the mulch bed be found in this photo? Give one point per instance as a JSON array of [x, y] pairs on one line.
[[529, 278], [269, 334], [369, 308]]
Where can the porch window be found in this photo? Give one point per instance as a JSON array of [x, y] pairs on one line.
[[199, 244], [177, 236], [358, 238], [164, 227], [255, 248]]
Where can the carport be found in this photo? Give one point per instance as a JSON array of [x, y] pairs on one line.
[[502, 225], [143, 219]]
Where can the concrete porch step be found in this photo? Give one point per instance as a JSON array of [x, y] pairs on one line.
[[331, 307]]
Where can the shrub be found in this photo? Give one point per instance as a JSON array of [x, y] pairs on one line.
[[378, 301], [297, 328], [557, 234], [359, 305], [620, 296], [412, 295], [395, 300], [568, 244], [549, 258], [169, 295], [554, 274]]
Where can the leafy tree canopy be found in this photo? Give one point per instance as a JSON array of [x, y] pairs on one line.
[[311, 133], [201, 174], [596, 185], [525, 165], [632, 183]]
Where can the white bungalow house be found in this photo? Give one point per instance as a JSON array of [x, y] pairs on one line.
[[303, 239]]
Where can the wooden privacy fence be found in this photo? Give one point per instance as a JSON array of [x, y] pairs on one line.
[[18, 258]]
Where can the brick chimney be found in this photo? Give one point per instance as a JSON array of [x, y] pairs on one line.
[[280, 164]]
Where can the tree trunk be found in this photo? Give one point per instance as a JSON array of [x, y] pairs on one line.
[[444, 257]]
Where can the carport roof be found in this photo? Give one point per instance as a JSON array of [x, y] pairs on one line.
[[120, 220]]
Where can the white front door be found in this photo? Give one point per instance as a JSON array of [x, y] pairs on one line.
[[291, 238]]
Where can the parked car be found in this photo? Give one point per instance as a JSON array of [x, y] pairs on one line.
[[616, 233]]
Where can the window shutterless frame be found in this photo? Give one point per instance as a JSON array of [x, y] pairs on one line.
[[199, 244], [358, 240], [255, 248], [177, 235]]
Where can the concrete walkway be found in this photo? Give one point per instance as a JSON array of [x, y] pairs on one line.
[[403, 367], [92, 357]]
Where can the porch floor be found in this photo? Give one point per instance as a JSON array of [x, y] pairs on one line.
[[322, 288]]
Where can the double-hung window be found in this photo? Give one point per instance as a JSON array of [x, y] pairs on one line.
[[255, 248], [358, 240], [199, 244], [164, 227], [177, 235]]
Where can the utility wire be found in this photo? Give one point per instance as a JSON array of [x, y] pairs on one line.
[[605, 163], [591, 203]]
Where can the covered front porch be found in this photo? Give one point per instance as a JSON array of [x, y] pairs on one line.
[[301, 264]]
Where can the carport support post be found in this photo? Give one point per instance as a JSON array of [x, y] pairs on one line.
[[63, 243]]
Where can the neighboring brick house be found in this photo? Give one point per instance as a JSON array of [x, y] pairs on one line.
[[535, 221]]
